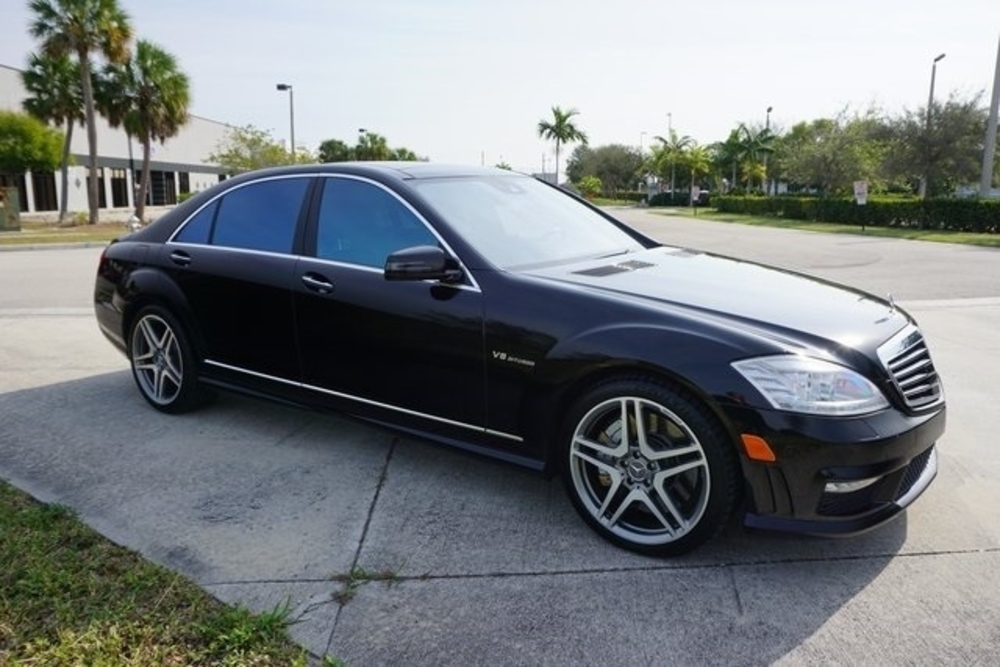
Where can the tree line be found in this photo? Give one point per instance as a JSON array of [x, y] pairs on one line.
[[248, 148], [825, 156]]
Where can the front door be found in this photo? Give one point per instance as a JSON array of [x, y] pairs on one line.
[[406, 352]]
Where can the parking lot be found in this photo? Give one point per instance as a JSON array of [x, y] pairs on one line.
[[488, 563]]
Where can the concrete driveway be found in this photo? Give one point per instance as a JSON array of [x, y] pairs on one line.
[[261, 504]]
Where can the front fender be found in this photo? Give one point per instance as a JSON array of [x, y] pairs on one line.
[[693, 360]]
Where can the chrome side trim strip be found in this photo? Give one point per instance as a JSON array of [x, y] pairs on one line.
[[367, 401]]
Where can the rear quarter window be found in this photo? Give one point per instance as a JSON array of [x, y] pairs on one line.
[[199, 228]]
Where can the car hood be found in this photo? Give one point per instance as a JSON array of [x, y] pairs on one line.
[[768, 299]]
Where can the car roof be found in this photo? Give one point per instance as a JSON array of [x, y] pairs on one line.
[[399, 170]]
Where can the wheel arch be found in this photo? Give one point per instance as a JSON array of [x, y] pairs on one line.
[[550, 397], [149, 286]]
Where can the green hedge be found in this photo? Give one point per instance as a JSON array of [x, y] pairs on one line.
[[629, 195], [965, 215], [670, 199]]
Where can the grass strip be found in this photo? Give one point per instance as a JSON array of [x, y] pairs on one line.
[[68, 596]]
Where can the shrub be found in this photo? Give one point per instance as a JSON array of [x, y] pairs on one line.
[[966, 215], [589, 186]]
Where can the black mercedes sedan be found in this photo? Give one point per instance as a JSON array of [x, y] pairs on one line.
[[670, 389]]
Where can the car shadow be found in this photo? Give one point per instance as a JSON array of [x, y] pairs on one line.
[[246, 491]]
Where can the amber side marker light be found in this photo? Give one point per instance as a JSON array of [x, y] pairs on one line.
[[757, 448]]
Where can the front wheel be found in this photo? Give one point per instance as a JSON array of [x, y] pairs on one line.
[[163, 363], [648, 467]]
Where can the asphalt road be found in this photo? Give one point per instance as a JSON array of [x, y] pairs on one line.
[[262, 504]]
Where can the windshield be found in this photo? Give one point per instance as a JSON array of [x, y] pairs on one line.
[[517, 221]]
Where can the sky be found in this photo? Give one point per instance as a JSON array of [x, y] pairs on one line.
[[467, 81]]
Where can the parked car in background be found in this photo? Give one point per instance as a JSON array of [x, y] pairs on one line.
[[670, 389]]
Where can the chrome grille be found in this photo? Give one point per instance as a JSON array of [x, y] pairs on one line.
[[908, 361]]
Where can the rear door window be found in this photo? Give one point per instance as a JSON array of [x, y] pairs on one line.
[[261, 216]]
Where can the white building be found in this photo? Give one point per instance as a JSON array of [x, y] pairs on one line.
[[177, 167]]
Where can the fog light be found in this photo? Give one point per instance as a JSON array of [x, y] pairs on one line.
[[849, 487]]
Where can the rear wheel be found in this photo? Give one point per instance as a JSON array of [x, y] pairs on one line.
[[648, 467], [162, 360]]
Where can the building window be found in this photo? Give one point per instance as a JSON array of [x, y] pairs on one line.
[[44, 186], [169, 188], [102, 197], [184, 182], [119, 188], [7, 181], [162, 189]]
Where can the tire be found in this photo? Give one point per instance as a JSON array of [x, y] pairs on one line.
[[662, 490], [163, 362]]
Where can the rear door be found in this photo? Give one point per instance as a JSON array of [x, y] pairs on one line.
[[234, 261]]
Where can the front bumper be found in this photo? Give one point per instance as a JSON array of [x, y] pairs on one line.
[[891, 453]]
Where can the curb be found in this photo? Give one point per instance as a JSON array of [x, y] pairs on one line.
[[52, 246]]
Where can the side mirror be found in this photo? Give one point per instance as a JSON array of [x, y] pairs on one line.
[[422, 262]]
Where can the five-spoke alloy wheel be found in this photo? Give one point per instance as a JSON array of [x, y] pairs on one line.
[[648, 467]]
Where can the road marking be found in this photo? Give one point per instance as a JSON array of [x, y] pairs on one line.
[[46, 312]]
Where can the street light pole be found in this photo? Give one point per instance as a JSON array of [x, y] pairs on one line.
[[291, 113], [767, 126], [986, 178], [924, 189]]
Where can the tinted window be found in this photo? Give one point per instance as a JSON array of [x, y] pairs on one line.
[[199, 228], [261, 216], [361, 223]]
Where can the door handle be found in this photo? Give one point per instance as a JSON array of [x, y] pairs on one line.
[[317, 283], [180, 258]]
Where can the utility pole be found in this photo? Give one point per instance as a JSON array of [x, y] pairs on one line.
[[986, 180]]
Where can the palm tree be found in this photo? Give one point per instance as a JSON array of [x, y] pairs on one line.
[[561, 130], [755, 145], [149, 96], [372, 146], [699, 160], [335, 150], [729, 154], [54, 96], [673, 150], [83, 27]]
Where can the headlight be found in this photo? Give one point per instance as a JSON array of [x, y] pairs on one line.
[[811, 386]]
